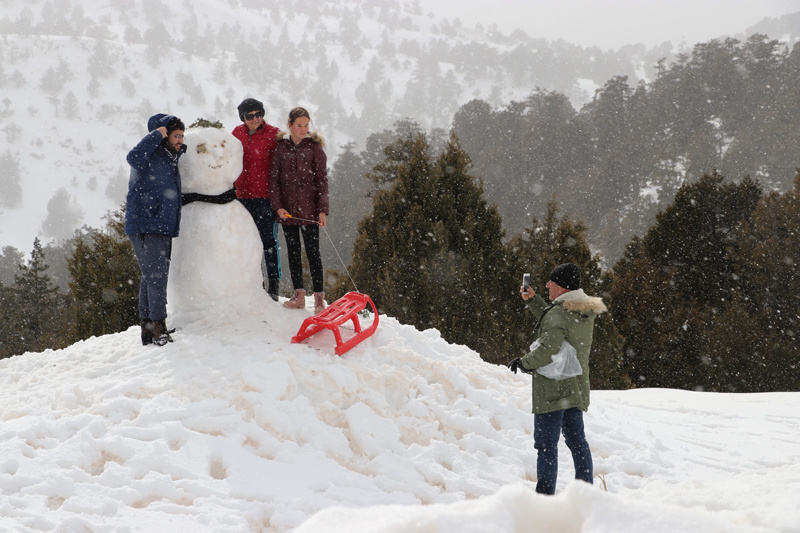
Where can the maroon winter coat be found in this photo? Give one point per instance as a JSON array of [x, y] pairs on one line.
[[254, 179], [298, 179]]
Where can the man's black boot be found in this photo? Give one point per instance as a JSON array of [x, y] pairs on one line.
[[273, 288], [147, 332]]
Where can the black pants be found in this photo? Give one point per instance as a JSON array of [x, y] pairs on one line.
[[311, 242], [266, 222]]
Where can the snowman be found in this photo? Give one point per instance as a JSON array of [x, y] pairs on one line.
[[215, 269]]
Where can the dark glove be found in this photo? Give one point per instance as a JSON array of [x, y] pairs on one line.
[[516, 364]]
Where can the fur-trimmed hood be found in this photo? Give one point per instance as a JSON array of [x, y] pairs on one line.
[[313, 135], [580, 302]]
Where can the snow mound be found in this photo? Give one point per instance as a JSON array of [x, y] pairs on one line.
[[233, 428]]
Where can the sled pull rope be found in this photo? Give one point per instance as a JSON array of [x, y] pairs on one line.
[[332, 245]]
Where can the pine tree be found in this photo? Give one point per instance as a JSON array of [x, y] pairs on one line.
[[474, 125], [745, 353], [64, 214], [10, 339], [672, 285], [101, 64], [36, 294], [104, 276], [636, 311], [387, 150], [35, 314], [10, 260], [694, 236], [472, 268], [431, 254], [754, 345], [392, 241], [769, 255]]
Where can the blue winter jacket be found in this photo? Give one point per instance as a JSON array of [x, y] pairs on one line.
[[154, 188]]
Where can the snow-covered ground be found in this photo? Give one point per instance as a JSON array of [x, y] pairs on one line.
[[233, 428]]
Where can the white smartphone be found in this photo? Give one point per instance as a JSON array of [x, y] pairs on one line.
[[526, 281]]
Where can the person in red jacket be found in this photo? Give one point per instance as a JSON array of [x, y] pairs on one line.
[[298, 187], [252, 187]]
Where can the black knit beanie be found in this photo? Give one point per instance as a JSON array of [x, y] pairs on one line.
[[567, 276], [249, 105]]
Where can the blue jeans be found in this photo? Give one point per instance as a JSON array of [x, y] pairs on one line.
[[546, 431], [266, 222], [153, 254]]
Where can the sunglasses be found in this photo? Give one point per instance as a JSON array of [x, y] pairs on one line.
[[254, 114], [177, 136]]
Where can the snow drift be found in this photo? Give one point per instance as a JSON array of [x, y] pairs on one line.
[[232, 428]]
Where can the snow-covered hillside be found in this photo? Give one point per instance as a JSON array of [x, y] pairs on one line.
[[80, 79], [233, 428]]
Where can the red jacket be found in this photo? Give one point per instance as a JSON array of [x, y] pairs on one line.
[[254, 179], [299, 179]]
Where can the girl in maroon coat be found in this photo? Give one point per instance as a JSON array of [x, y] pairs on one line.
[[298, 189]]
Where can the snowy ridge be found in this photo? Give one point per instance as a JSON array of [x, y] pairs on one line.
[[233, 428]]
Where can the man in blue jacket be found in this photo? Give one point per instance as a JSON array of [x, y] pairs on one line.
[[152, 217]]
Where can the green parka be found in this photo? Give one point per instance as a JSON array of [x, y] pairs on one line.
[[569, 318]]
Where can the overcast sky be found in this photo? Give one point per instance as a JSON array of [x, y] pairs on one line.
[[612, 23]]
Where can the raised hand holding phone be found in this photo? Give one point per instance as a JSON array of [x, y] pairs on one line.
[[526, 291]]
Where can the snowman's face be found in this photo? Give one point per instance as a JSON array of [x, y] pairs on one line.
[[212, 162]]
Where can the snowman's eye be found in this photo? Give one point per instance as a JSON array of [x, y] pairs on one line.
[[201, 148], [223, 144]]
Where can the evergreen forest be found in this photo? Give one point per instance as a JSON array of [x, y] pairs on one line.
[[729, 106]]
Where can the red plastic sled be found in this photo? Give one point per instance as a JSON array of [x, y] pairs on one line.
[[344, 309]]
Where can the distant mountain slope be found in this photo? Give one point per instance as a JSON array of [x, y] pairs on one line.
[[79, 80], [786, 27]]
